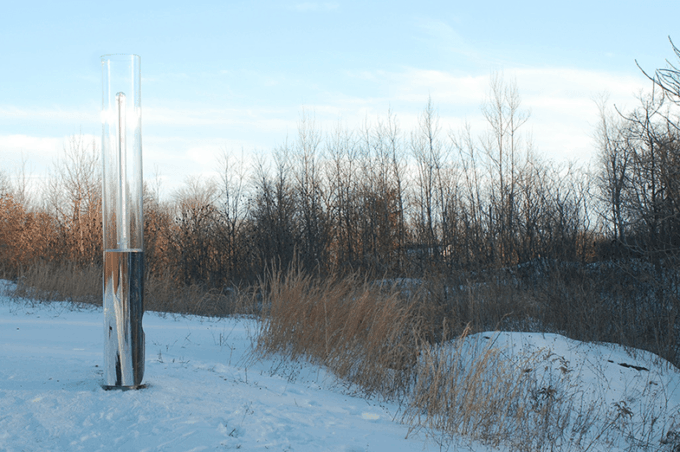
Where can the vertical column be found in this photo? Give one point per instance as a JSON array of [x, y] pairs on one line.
[[122, 197]]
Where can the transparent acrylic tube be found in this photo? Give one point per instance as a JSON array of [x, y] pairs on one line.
[[123, 222]]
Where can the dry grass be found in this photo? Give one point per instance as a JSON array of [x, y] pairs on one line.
[[381, 339], [68, 282], [386, 341], [465, 388], [46, 282], [363, 333], [162, 294]]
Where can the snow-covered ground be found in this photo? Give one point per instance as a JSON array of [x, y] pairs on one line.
[[205, 392]]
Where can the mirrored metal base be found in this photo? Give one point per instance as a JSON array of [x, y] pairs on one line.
[[124, 344]]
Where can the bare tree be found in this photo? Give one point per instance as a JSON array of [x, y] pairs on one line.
[[472, 247], [651, 197], [437, 200], [310, 195], [379, 196], [74, 194], [502, 146], [233, 210], [427, 150], [194, 236], [5, 184], [22, 186], [668, 78], [272, 213], [615, 163], [342, 198], [391, 135]]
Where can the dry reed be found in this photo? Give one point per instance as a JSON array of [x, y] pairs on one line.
[[364, 333]]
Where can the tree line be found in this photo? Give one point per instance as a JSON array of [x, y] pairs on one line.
[[384, 201]]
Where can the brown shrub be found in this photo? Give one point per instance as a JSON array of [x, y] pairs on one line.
[[25, 237]]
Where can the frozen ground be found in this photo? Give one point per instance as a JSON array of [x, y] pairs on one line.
[[205, 394]]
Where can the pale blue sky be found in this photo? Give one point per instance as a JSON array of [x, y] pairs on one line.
[[231, 75]]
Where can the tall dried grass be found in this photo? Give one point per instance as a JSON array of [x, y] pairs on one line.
[[163, 294], [46, 282], [364, 333]]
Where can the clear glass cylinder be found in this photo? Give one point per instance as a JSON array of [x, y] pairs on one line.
[[123, 221], [122, 152]]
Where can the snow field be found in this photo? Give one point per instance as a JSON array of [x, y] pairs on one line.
[[206, 392]]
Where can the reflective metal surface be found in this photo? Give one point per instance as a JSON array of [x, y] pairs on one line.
[[123, 310]]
